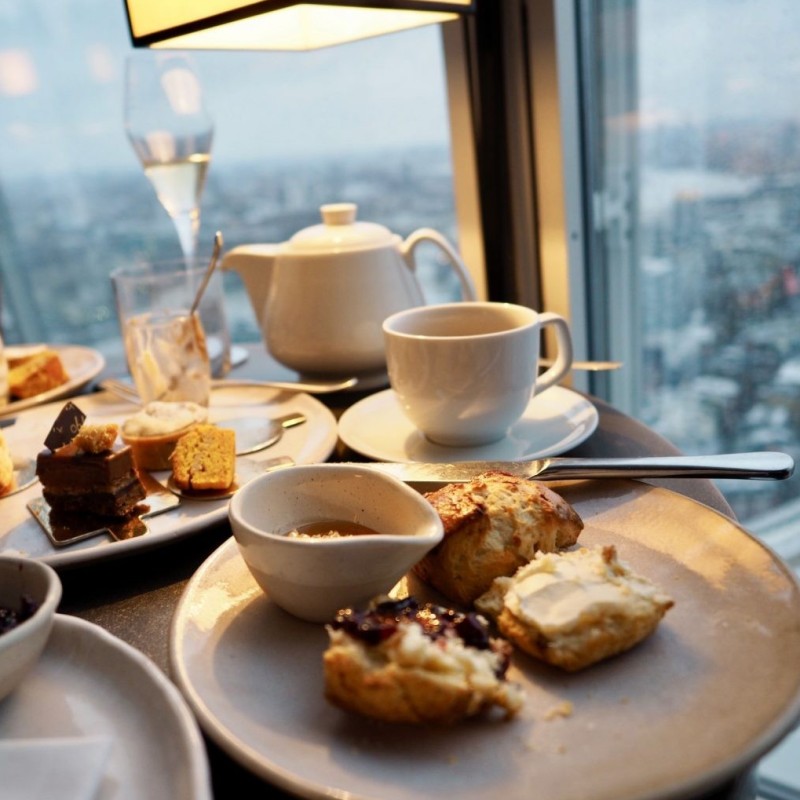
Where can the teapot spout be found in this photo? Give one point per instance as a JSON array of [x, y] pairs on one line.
[[254, 263]]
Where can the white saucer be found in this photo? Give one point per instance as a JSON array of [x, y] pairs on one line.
[[554, 422]]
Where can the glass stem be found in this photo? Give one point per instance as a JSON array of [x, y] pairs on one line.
[[188, 227]]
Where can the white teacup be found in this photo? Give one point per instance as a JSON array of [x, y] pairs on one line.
[[464, 373]]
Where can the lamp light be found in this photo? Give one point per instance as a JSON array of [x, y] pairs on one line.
[[278, 24]]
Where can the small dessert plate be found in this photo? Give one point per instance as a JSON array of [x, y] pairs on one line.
[[24, 476], [77, 528], [246, 470], [82, 364]]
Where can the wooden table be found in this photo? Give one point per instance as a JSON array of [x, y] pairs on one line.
[[134, 597]]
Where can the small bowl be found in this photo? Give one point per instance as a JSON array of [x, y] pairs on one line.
[[314, 577], [21, 646]]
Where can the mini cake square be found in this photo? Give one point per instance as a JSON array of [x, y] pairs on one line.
[[91, 474], [204, 459]]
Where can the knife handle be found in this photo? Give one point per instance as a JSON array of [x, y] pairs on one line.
[[765, 465]]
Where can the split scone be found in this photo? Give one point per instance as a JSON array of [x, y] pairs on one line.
[[399, 661], [574, 609], [493, 525]]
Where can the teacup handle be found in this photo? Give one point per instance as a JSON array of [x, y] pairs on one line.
[[563, 362], [429, 234]]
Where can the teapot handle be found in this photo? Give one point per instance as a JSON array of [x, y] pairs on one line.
[[429, 234]]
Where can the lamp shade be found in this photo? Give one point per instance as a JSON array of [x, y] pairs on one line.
[[278, 24]]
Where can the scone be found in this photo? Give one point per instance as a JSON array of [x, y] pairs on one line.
[[34, 374], [6, 467], [493, 525], [576, 608], [402, 662], [204, 459], [154, 431]]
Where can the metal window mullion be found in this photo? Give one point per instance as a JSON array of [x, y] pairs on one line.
[[560, 179], [456, 48]]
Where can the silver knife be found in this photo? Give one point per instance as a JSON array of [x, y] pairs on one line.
[[766, 465]]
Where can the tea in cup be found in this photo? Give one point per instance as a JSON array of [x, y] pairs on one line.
[[464, 373]]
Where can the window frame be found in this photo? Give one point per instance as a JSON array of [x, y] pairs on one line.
[[523, 173]]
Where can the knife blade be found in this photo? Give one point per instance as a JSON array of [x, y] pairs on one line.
[[764, 465]]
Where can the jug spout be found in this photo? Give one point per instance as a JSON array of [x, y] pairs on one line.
[[254, 263]]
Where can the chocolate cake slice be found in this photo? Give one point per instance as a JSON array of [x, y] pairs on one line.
[[92, 474]]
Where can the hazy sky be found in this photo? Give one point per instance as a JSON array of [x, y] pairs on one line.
[[380, 92], [747, 52], [61, 79]]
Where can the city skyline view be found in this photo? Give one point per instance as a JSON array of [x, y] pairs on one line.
[[378, 93]]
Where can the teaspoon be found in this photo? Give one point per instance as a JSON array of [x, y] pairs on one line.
[[258, 433], [126, 391], [587, 366]]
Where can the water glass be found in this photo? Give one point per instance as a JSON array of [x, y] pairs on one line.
[[167, 356], [151, 286]]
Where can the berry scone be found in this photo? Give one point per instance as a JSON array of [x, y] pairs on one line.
[[400, 661]]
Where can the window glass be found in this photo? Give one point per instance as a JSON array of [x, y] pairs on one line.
[[695, 149], [694, 259], [364, 122]]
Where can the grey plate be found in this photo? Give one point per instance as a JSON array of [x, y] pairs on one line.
[[699, 701]]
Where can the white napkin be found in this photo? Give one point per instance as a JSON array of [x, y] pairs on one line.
[[69, 768]]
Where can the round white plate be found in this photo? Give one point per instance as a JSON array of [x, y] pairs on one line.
[[309, 443], [708, 693], [82, 364], [554, 422], [88, 683]]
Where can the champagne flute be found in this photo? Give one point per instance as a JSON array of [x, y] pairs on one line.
[[171, 132]]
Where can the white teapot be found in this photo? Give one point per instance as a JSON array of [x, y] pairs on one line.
[[321, 297]]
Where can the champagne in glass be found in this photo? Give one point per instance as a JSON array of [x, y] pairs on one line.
[[171, 132]]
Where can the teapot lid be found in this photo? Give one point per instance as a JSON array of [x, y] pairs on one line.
[[340, 232]]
